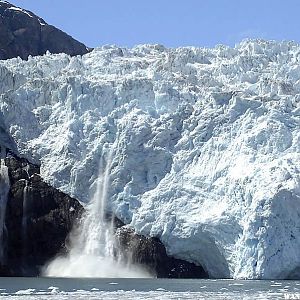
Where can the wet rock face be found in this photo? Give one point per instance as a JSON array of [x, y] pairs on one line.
[[150, 252], [38, 220], [22, 33]]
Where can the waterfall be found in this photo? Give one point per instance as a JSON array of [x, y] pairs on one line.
[[96, 236], [4, 189], [94, 251], [24, 221], [24, 215]]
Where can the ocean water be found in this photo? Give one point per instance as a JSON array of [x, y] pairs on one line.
[[160, 289]]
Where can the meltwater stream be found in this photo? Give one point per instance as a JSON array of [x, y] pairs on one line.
[[94, 251]]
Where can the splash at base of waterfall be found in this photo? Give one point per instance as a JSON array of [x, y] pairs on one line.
[[94, 251], [84, 265]]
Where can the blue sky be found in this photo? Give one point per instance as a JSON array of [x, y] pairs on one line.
[[170, 22]]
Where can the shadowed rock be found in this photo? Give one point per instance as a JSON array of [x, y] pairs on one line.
[[150, 252], [22, 33], [38, 223]]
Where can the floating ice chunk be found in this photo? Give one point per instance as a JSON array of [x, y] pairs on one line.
[[25, 292]]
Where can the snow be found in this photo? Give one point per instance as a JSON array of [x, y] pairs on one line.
[[18, 9], [206, 144]]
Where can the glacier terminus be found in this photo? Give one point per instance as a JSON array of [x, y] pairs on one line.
[[206, 144]]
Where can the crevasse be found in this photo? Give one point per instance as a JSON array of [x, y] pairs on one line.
[[208, 157]]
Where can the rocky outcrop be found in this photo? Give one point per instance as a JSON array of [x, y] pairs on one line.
[[38, 220], [22, 33], [150, 252]]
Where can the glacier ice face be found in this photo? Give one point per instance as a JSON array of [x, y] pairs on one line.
[[206, 144]]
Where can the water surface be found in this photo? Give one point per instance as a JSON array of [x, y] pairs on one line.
[[160, 289]]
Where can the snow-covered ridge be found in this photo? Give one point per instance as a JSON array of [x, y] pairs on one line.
[[206, 144], [21, 10], [26, 12]]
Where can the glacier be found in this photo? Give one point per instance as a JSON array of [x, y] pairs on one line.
[[206, 144]]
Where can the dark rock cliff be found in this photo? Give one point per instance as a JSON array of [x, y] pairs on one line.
[[22, 33], [38, 220], [150, 252]]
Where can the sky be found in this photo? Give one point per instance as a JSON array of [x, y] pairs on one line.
[[172, 23]]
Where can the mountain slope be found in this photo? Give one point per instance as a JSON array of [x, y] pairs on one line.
[[22, 33], [205, 143]]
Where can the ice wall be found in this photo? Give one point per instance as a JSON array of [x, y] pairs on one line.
[[208, 144]]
